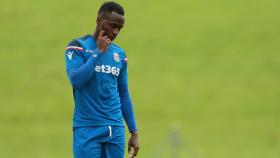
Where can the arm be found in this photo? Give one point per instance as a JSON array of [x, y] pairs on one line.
[[78, 71], [127, 108], [126, 104], [127, 111]]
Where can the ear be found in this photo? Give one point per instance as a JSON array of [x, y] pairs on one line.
[[98, 20]]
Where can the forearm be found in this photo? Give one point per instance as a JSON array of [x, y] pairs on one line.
[[127, 109]]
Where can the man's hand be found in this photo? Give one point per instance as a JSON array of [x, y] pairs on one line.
[[133, 143], [102, 41]]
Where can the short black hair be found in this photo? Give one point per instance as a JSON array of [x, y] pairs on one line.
[[111, 6]]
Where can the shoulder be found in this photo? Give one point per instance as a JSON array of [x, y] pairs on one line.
[[120, 52], [85, 37], [118, 49], [76, 45]]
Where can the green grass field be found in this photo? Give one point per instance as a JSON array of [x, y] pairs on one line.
[[211, 69]]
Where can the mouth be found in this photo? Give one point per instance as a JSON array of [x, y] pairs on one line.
[[110, 35]]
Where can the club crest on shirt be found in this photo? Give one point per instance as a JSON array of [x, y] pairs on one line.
[[116, 57]]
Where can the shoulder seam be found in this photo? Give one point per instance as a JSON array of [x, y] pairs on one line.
[[75, 45]]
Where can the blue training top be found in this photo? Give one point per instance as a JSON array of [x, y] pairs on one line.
[[99, 82]]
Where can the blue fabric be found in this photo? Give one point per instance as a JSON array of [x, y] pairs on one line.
[[79, 72], [99, 82], [127, 108], [99, 142]]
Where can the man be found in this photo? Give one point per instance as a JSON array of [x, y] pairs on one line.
[[97, 70]]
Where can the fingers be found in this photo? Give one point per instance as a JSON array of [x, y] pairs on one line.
[[107, 39], [101, 34], [104, 37], [103, 41], [135, 151], [129, 148]]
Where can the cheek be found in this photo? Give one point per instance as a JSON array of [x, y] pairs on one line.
[[107, 29]]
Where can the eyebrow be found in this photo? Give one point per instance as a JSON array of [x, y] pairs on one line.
[[114, 22]]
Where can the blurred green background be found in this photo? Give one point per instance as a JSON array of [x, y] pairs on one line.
[[207, 70]]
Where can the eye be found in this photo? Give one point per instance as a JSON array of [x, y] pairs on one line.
[[113, 25]]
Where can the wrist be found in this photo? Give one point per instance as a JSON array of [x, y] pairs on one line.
[[134, 133], [98, 51]]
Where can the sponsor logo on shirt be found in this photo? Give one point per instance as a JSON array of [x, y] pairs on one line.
[[108, 69], [89, 51]]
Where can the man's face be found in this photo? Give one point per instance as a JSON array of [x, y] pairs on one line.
[[111, 23]]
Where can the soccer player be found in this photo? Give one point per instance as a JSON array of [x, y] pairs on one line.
[[97, 70]]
